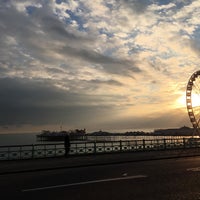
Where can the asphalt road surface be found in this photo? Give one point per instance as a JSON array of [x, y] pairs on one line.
[[171, 179]]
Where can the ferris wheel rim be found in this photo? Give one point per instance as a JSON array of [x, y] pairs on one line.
[[193, 119]]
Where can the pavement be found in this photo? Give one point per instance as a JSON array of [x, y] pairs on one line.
[[43, 164]]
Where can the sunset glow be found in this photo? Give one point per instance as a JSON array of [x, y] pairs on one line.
[[97, 64]]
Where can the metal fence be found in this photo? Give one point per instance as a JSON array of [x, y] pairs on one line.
[[82, 148]]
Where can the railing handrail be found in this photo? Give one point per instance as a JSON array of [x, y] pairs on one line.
[[28, 145], [83, 142]]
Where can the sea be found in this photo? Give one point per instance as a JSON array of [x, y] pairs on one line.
[[18, 139]]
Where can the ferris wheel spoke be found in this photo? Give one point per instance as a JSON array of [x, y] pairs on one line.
[[197, 114], [196, 89], [196, 111], [196, 83], [197, 118], [198, 121], [197, 93]]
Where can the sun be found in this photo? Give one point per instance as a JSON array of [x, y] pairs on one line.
[[181, 101], [195, 100]]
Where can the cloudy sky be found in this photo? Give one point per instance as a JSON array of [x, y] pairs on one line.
[[103, 64]]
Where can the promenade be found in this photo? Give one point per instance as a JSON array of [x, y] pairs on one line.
[[22, 166]]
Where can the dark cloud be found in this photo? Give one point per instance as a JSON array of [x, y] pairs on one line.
[[106, 82], [37, 102], [41, 35], [54, 70], [96, 84], [110, 64], [37, 36], [195, 44], [179, 3], [55, 28], [137, 6]]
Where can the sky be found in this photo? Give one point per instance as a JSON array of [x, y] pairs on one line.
[[109, 65]]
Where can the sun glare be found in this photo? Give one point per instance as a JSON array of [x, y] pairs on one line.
[[181, 101], [195, 100]]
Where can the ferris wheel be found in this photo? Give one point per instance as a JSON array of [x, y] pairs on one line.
[[193, 101]]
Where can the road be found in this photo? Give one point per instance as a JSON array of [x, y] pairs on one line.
[[171, 179]]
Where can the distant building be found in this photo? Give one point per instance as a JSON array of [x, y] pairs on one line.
[[183, 131]]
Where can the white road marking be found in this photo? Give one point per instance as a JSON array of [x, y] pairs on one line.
[[84, 183], [195, 169]]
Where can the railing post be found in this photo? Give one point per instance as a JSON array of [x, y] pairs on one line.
[[85, 148], [112, 146], [8, 153], [164, 142], [55, 150], [136, 144], [184, 145], [45, 152], [20, 152], [95, 147], [32, 151], [120, 145], [76, 148], [143, 141]]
